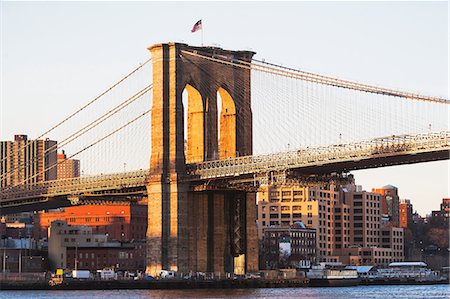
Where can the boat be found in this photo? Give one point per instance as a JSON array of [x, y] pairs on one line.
[[406, 273], [332, 275]]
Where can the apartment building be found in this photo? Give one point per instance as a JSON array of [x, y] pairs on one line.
[[67, 168], [344, 217], [291, 246], [316, 207], [26, 161]]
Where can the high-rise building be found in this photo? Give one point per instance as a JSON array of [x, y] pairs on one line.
[[316, 207], [67, 168], [347, 220], [406, 213], [389, 203], [26, 161], [365, 219]]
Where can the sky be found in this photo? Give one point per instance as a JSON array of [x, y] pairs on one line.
[[57, 55]]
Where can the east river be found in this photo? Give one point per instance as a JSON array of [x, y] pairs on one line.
[[432, 291]]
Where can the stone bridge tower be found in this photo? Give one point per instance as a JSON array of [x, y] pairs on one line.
[[213, 230]]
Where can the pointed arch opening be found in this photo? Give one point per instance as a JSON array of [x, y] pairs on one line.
[[227, 124], [194, 127]]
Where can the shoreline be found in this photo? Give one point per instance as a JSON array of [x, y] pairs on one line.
[[194, 284]]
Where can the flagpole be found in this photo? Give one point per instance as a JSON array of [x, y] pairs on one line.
[[202, 33]]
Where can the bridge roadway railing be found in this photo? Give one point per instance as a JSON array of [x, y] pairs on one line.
[[379, 147], [74, 186]]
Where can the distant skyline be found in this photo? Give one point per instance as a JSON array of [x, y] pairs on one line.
[[57, 55]]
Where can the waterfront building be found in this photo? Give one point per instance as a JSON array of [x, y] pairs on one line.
[[67, 168], [345, 218], [123, 221], [71, 247], [314, 206], [358, 256], [289, 246], [19, 260], [365, 219]]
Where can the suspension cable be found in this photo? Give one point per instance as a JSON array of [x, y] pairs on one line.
[[84, 106], [82, 150], [81, 131], [315, 78]]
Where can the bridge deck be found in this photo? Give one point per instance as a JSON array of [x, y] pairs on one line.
[[308, 158]]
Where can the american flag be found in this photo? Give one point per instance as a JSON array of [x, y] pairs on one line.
[[197, 26]]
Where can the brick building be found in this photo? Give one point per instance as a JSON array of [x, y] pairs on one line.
[[123, 222], [405, 213], [78, 244], [288, 246], [314, 206], [27, 161], [120, 256], [67, 168], [343, 217]]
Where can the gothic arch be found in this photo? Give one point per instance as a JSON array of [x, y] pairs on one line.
[[227, 127], [195, 151]]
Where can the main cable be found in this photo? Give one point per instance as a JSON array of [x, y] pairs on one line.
[[84, 106]]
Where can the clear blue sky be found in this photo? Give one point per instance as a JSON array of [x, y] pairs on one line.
[[57, 55]]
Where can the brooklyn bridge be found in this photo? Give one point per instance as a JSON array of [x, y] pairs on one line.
[[215, 125]]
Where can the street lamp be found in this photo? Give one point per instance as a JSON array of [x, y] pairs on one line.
[[20, 254], [76, 256]]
